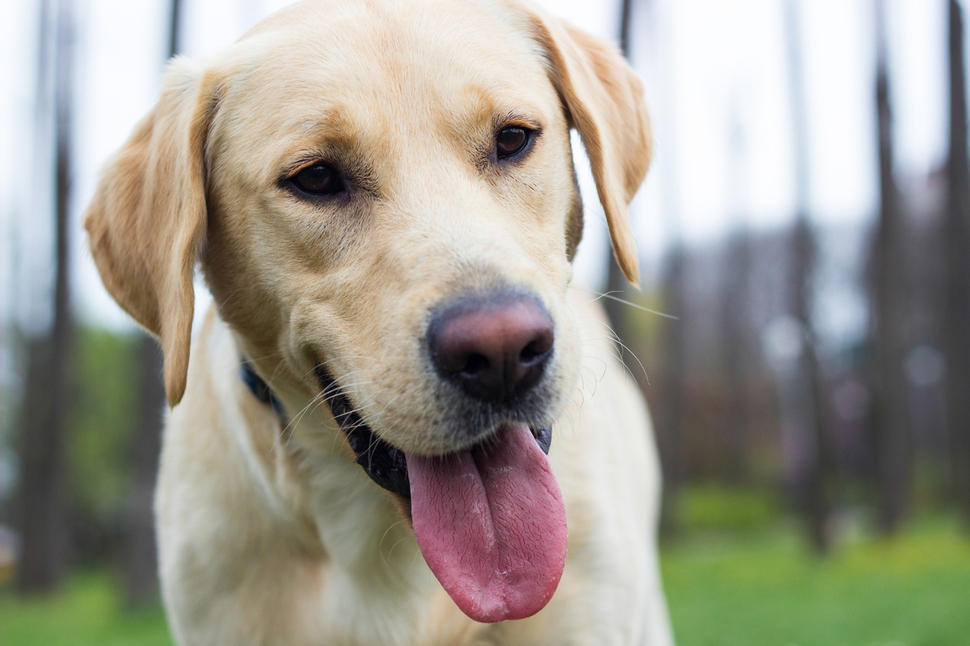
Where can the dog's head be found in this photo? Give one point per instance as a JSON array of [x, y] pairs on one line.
[[382, 199]]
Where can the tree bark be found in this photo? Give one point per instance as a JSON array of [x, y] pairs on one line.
[[813, 495], [42, 492], [817, 480], [735, 329], [956, 327], [890, 414], [141, 571], [674, 351]]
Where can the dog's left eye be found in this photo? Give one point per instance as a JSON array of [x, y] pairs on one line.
[[318, 179], [511, 141]]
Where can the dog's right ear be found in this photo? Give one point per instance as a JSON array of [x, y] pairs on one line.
[[604, 100], [147, 221]]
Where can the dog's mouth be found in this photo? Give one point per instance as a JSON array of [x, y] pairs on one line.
[[383, 463], [489, 520]]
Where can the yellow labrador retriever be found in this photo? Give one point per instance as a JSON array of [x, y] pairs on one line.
[[397, 425]]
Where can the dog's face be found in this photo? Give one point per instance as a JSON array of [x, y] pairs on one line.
[[383, 202], [355, 192]]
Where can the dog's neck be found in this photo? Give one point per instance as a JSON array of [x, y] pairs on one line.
[[331, 474], [354, 523]]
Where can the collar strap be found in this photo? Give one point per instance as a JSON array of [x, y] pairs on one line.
[[259, 388]]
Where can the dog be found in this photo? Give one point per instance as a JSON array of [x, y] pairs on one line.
[[398, 424]]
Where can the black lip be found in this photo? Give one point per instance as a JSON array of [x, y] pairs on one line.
[[383, 463]]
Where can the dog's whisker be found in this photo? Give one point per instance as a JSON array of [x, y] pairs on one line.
[[291, 425], [614, 339], [612, 296], [374, 441], [271, 355], [387, 559], [318, 400], [619, 356]]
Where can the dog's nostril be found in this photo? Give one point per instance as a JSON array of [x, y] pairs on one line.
[[528, 354], [494, 346], [537, 349], [476, 365]]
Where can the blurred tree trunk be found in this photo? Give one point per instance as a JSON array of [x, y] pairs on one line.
[[141, 575], [736, 309], [141, 566], [890, 413], [43, 487], [174, 28], [674, 349], [956, 327], [735, 326], [816, 482], [813, 485]]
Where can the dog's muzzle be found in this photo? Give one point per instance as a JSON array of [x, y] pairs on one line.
[[383, 463]]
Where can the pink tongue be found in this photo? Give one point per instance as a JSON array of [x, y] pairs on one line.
[[491, 525]]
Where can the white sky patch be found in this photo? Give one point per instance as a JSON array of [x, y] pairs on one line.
[[18, 47], [764, 106], [839, 60], [730, 116], [919, 84]]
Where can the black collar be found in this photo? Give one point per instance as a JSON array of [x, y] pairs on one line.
[[259, 388]]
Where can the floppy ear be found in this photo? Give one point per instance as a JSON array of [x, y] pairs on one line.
[[604, 98], [147, 221]]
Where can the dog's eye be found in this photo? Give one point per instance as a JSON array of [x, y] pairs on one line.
[[511, 140], [318, 179]]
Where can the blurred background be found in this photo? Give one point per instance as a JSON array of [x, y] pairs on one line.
[[802, 330]]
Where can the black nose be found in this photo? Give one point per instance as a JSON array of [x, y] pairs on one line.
[[495, 347]]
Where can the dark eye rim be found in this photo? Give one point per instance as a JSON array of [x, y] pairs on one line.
[[531, 134], [291, 182]]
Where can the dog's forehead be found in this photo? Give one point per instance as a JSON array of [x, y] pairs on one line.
[[392, 49], [336, 22], [400, 65]]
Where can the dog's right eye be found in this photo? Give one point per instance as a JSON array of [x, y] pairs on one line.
[[318, 179], [511, 141]]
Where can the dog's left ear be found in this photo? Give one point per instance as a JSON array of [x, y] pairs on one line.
[[147, 221], [604, 98]]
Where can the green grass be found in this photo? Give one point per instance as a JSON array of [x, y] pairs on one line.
[[713, 506], [87, 612], [727, 589], [756, 587]]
